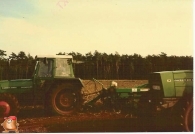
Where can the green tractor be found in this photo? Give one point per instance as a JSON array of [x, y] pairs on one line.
[[53, 86]]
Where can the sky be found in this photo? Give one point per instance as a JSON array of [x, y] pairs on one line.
[[145, 27]]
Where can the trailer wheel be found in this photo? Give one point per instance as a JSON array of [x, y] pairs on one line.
[[8, 105], [65, 101], [188, 117]]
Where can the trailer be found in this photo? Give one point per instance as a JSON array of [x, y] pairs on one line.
[[166, 90]]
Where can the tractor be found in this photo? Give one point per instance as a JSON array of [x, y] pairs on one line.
[[53, 86]]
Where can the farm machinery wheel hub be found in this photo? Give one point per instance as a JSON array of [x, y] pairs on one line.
[[66, 100]]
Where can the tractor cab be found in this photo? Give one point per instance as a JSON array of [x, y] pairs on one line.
[[54, 66]]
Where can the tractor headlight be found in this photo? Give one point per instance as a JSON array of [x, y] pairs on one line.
[[113, 84], [156, 87]]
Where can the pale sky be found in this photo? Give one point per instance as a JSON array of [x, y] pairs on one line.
[[145, 27]]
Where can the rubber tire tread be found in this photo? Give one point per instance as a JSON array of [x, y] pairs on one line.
[[12, 101], [52, 95]]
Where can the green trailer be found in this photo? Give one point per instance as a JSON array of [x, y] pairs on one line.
[[173, 91], [166, 90]]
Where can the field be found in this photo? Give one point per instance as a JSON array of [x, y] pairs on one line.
[[89, 84]]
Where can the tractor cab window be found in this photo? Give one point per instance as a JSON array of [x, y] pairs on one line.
[[45, 68], [62, 67]]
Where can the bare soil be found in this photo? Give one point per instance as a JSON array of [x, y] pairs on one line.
[[34, 120]]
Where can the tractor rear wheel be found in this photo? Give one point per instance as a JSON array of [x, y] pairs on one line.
[[65, 101], [8, 105]]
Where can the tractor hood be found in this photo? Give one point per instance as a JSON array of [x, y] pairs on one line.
[[19, 83]]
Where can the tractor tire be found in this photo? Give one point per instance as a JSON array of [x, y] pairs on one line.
[[188, 117], [8, 105], [65, 101]]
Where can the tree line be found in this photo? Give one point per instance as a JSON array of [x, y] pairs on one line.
[[98, 65]]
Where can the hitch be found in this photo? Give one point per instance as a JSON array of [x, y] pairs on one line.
[[104, 95]]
